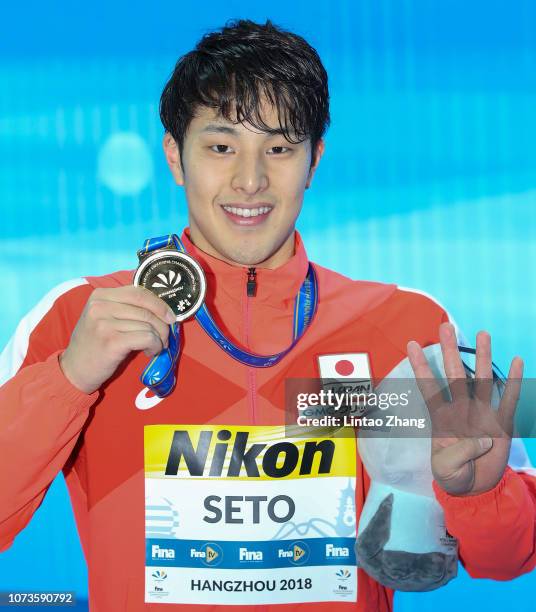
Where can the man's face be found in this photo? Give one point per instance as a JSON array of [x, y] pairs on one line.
[[244, 188]]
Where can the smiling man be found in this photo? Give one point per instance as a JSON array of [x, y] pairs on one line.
[[202, 499], [244, 187]]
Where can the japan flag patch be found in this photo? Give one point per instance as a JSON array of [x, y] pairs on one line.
[[345, 372]]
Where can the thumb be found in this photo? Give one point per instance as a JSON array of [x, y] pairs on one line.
[[456, 455]]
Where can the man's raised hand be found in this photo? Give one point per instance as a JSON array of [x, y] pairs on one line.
[[470, 440]]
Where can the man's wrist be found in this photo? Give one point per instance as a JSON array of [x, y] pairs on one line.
[[443, 497], [66, 368]]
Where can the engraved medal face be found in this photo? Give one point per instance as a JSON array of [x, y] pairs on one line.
[[175, 277]]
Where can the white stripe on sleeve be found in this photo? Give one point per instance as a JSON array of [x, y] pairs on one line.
[[15, 351]]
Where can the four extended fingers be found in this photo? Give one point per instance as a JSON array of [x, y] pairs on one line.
[[454, 370]]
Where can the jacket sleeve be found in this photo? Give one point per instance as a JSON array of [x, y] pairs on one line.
[[41, 412], [496, 529]]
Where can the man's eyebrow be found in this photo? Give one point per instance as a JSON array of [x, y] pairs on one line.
[[218, 128]]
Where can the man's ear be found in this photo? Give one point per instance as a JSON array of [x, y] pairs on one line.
[[171, 151], [317, 154]]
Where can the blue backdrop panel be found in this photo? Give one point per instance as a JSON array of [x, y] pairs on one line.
[[428, 178]]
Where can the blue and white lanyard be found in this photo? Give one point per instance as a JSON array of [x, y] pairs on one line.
[[160, 375]]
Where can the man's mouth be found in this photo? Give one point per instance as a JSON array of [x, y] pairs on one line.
[[250, 215]]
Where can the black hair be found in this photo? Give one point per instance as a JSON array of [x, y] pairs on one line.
[[232, 68]]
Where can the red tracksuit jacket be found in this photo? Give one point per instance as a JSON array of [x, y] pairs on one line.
[[201, 501]]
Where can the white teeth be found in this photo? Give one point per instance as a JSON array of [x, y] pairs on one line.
[[248, 212]]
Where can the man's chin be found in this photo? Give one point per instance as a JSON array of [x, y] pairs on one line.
[[259, 257], [248, 258], [251, 251]]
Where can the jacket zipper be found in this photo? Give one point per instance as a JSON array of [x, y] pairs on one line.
[[251, 290], [252, 282]]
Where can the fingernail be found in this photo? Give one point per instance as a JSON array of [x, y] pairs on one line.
[[485, 443], [413, 346], [170, 317]]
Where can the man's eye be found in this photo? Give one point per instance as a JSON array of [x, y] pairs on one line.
[[220, 148], [278, 150]]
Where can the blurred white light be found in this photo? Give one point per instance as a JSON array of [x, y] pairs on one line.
[[125, 164]]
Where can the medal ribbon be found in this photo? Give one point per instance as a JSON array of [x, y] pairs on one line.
[[160, 376]]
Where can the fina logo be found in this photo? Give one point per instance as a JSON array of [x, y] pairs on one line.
[[162, 553], [158, 588], [335, 552], [209, 554], [170, 281], [297, 553], [344, 589], [250, 555]]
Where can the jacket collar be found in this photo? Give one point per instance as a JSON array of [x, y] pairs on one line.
[[275, 287]]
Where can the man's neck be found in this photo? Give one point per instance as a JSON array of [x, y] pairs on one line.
[[278, 258]]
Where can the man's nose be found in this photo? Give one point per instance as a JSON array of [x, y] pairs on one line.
[[250, 175]]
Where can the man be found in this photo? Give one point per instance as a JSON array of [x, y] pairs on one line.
[[200, 498]]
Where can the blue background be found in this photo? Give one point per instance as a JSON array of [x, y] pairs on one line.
[[428, 179]]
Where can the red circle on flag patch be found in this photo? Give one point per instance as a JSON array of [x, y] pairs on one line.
[[344, 367]]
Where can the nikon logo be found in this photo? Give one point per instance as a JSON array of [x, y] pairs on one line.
[[171, 280], [242, 459]]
